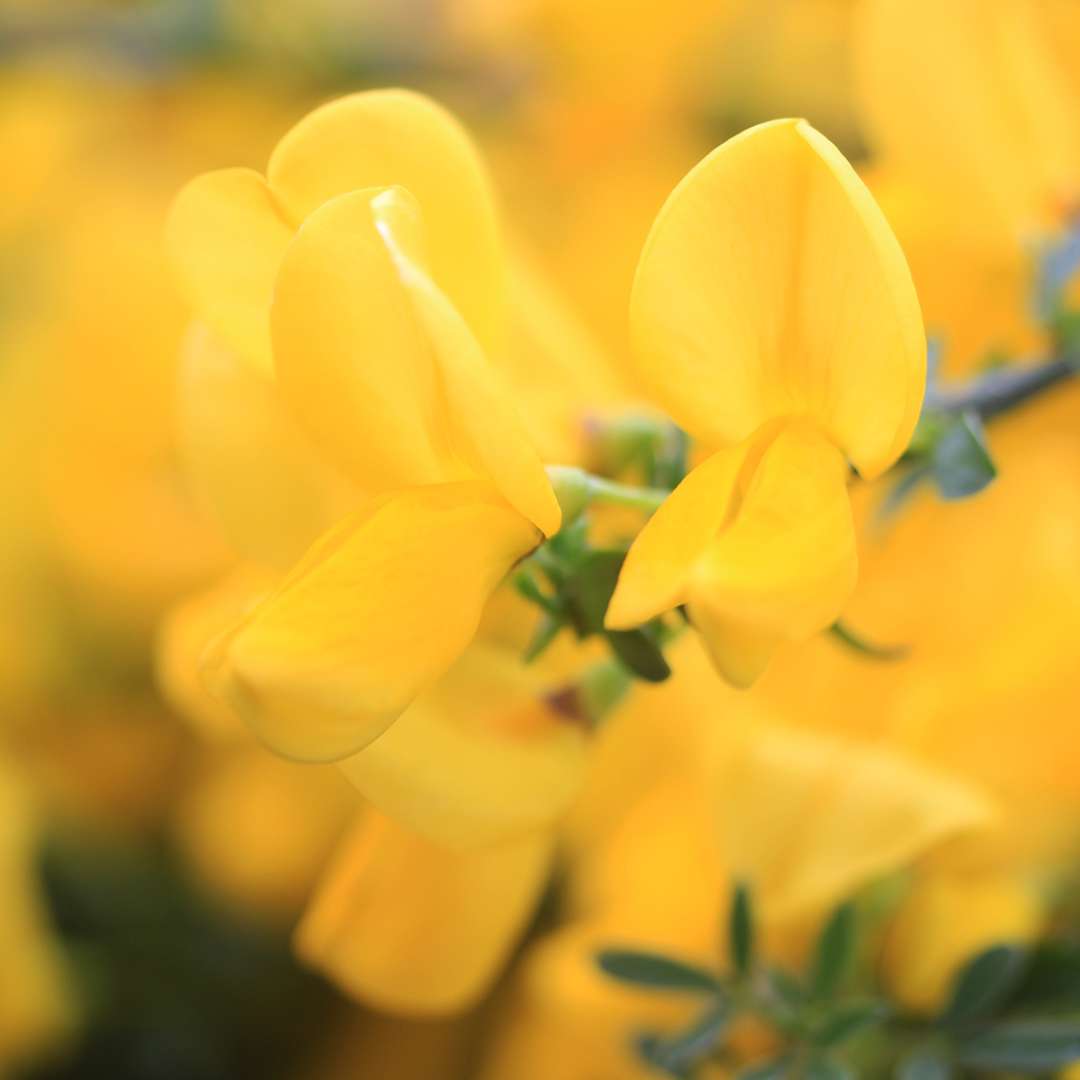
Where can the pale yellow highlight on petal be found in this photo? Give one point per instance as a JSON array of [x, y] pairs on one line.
[[656, 574], [479, 757], [188, 630], [377, 611], [246, 460], [486, 429], [967, 98], [383, 138], [412, 927], [771, 286], [809, 819], [786, 566], [226, 237], [352, 358]]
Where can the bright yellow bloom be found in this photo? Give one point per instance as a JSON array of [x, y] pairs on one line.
[[361, 284], [416, 928], [773, 315]]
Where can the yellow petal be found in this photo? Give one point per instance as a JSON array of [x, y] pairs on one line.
[[352, 359], [661, 560], [245, 459], [378, 610], [226, 238], [811, 819], [786, 565], [486, 430], [945, 922], [556, 366], [479, 757], [967, 98], [183, 639], [394, 137], [412, 927], [771, 286]]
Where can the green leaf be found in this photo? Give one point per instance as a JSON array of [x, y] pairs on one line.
[[785, 989], [639, 653], [961, 460], [1052, 977], [849, 1020], [925, 1063], [657, 971], [985, 984], [679, 1053], [741, 930], [547, 630], [834, 953], [1035, 1046]]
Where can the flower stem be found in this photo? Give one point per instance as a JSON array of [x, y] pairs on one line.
[[1000, 391], [577, 489]]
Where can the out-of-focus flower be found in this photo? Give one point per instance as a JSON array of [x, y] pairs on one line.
[[983, 619], [799, 351], [969, 208], [416, 928], [383, 309], [945, 921], [36, 1007], [806, 821], [1017, 164], [788, 58]]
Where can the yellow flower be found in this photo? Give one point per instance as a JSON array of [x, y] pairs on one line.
[[967, 99], [974, 127], [807, 820], [946, 921], [361, 283], [773, 315], [416, 928], [35, 1003]]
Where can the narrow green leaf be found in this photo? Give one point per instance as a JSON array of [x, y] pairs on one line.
[[925, 1063], [785, 989], [961, 460], [1052, 977], [741, 930], [849, 1020], [679, 1053], [528, 587], [834, 952], [639, 653], [657, 971], [985, 984], [1035, 1046], [547, 630]]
